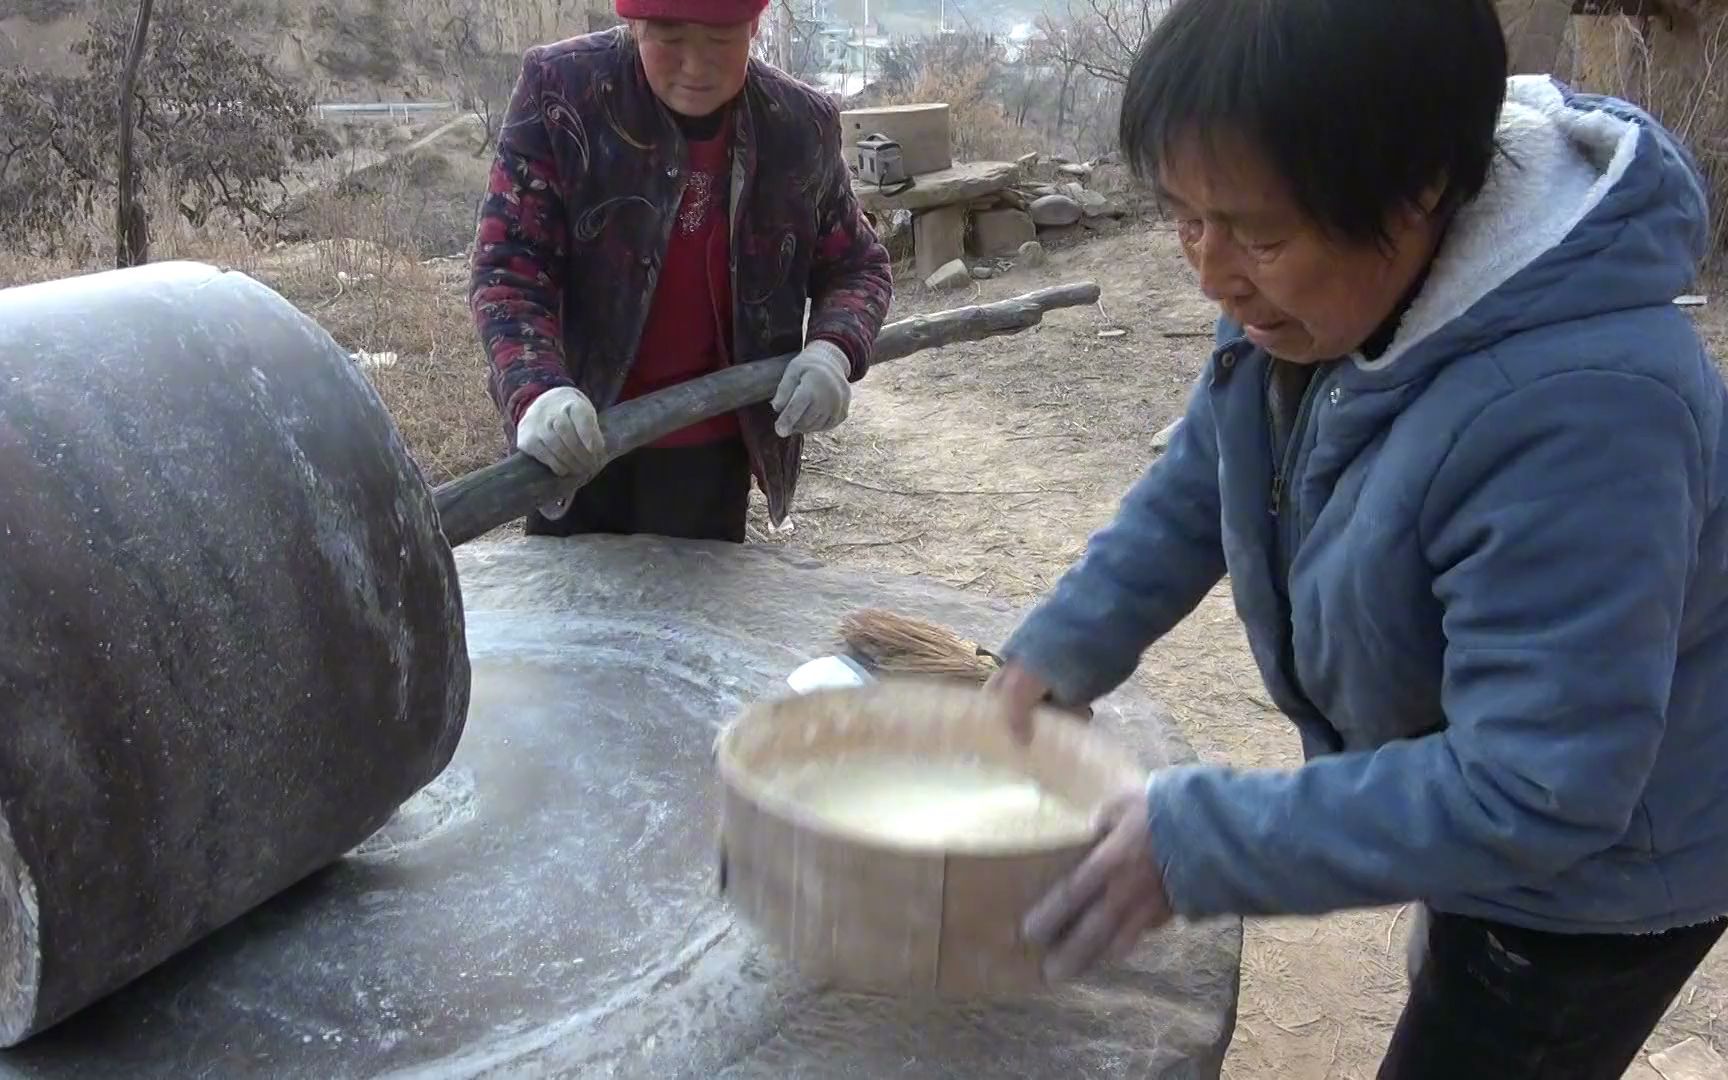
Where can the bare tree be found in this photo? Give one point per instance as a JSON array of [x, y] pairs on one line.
[[1063, 46], [785, 28], [1677, 69], [482, 66], [973, 74], [1102, 37], [131, 227], [481, 42], [211, 124], [1025, 91], [790, 38]]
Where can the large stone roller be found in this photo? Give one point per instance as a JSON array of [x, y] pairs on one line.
[[231, 639], [231, 634]]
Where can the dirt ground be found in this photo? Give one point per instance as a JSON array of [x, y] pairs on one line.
[[986, 466]]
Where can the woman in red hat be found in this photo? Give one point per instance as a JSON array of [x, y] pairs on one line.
[[663, 206]]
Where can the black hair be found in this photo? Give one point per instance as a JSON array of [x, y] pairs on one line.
[[1361, 106]]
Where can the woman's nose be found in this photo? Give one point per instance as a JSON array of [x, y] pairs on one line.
[[1218, 265]]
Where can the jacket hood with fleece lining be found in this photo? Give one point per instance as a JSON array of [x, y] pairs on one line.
[[1590, 207]]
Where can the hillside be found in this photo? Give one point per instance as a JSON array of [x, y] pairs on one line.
[[339, 50], [384, 50]]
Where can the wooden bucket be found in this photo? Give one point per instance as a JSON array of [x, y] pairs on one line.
[[857, 913]]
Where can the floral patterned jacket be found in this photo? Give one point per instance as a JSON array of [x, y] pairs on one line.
[[582, 200]]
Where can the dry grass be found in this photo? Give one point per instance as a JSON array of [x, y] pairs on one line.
[[90, 244], [365, 275], [1679, 72], [980, 127], [374, 301], [20, 268], [362, 287], [364, 280]]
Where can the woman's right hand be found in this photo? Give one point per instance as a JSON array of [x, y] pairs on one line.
[[561, 431], [1018, 693]]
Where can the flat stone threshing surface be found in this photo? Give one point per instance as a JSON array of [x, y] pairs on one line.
[[547, 906]]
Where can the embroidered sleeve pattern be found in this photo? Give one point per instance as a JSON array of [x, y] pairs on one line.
[[519, 250], [851, 282]]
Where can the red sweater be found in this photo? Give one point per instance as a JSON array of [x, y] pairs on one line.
[[689, 328]]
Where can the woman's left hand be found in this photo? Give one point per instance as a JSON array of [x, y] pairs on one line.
[[814, 394], [1111, 900]]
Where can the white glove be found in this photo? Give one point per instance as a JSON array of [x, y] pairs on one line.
[[814, 394], [560, 430]]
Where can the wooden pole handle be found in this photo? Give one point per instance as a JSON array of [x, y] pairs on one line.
[[474, 505]]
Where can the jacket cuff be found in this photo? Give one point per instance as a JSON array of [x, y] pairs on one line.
[[1168, 832], [525, 396], [854, 370], [1057, 660]]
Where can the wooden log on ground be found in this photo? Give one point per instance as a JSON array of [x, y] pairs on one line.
[[474, 505]]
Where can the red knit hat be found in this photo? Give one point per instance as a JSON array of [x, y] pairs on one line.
[[711, 12]]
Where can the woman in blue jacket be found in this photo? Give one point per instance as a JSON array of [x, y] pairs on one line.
[[1464, 463]]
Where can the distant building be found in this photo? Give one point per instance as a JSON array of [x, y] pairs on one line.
[[844, 60]]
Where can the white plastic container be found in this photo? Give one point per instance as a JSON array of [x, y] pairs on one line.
[[829, 673]]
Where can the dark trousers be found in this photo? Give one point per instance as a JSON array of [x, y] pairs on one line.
[[1494, 1002], [688, 492]]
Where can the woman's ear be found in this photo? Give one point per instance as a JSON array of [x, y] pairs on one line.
[[1433, 196], [1420, 213]]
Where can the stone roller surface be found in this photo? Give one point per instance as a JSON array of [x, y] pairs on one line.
[[548, 907], [231, 640]]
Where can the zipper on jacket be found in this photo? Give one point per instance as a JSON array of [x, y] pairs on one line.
[[1278, 452], [1284, 540], [1298, 429]]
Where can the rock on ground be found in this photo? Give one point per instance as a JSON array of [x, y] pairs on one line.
[[939, 237], [1092, 204], [1054, 211], [953, 275], [997, 233]]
